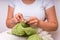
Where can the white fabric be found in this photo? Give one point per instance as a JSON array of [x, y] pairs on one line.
[[6, 36], [48, 4], [35, 9]]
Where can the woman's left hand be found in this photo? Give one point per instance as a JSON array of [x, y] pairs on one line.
[[33, 21]]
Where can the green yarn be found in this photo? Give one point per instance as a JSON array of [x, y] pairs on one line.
[[23, 29], [18, 30], [35, 37], [29, 31]]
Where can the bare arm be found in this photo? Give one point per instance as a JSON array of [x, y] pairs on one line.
[[9, 17], [51, 24]]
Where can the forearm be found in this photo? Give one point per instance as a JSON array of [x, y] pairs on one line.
[[49, 26], [10, 23]]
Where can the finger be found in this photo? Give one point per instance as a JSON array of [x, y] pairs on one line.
[[17, 17], [20, 16], [30, 19], [33, 21], [34, 25]]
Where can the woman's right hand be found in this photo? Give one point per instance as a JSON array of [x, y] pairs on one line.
[[18, 18], [13, 21]]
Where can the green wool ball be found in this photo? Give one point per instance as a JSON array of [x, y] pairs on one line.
[[29, 31], [35, 37], [18, 30], [23, 29]]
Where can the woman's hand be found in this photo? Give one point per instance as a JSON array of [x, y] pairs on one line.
[[19, 17], [13, 21], [33, 21]]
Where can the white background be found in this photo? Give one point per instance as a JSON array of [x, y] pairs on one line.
[[4, 10]]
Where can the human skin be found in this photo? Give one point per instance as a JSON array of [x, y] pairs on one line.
[[50, 25]]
